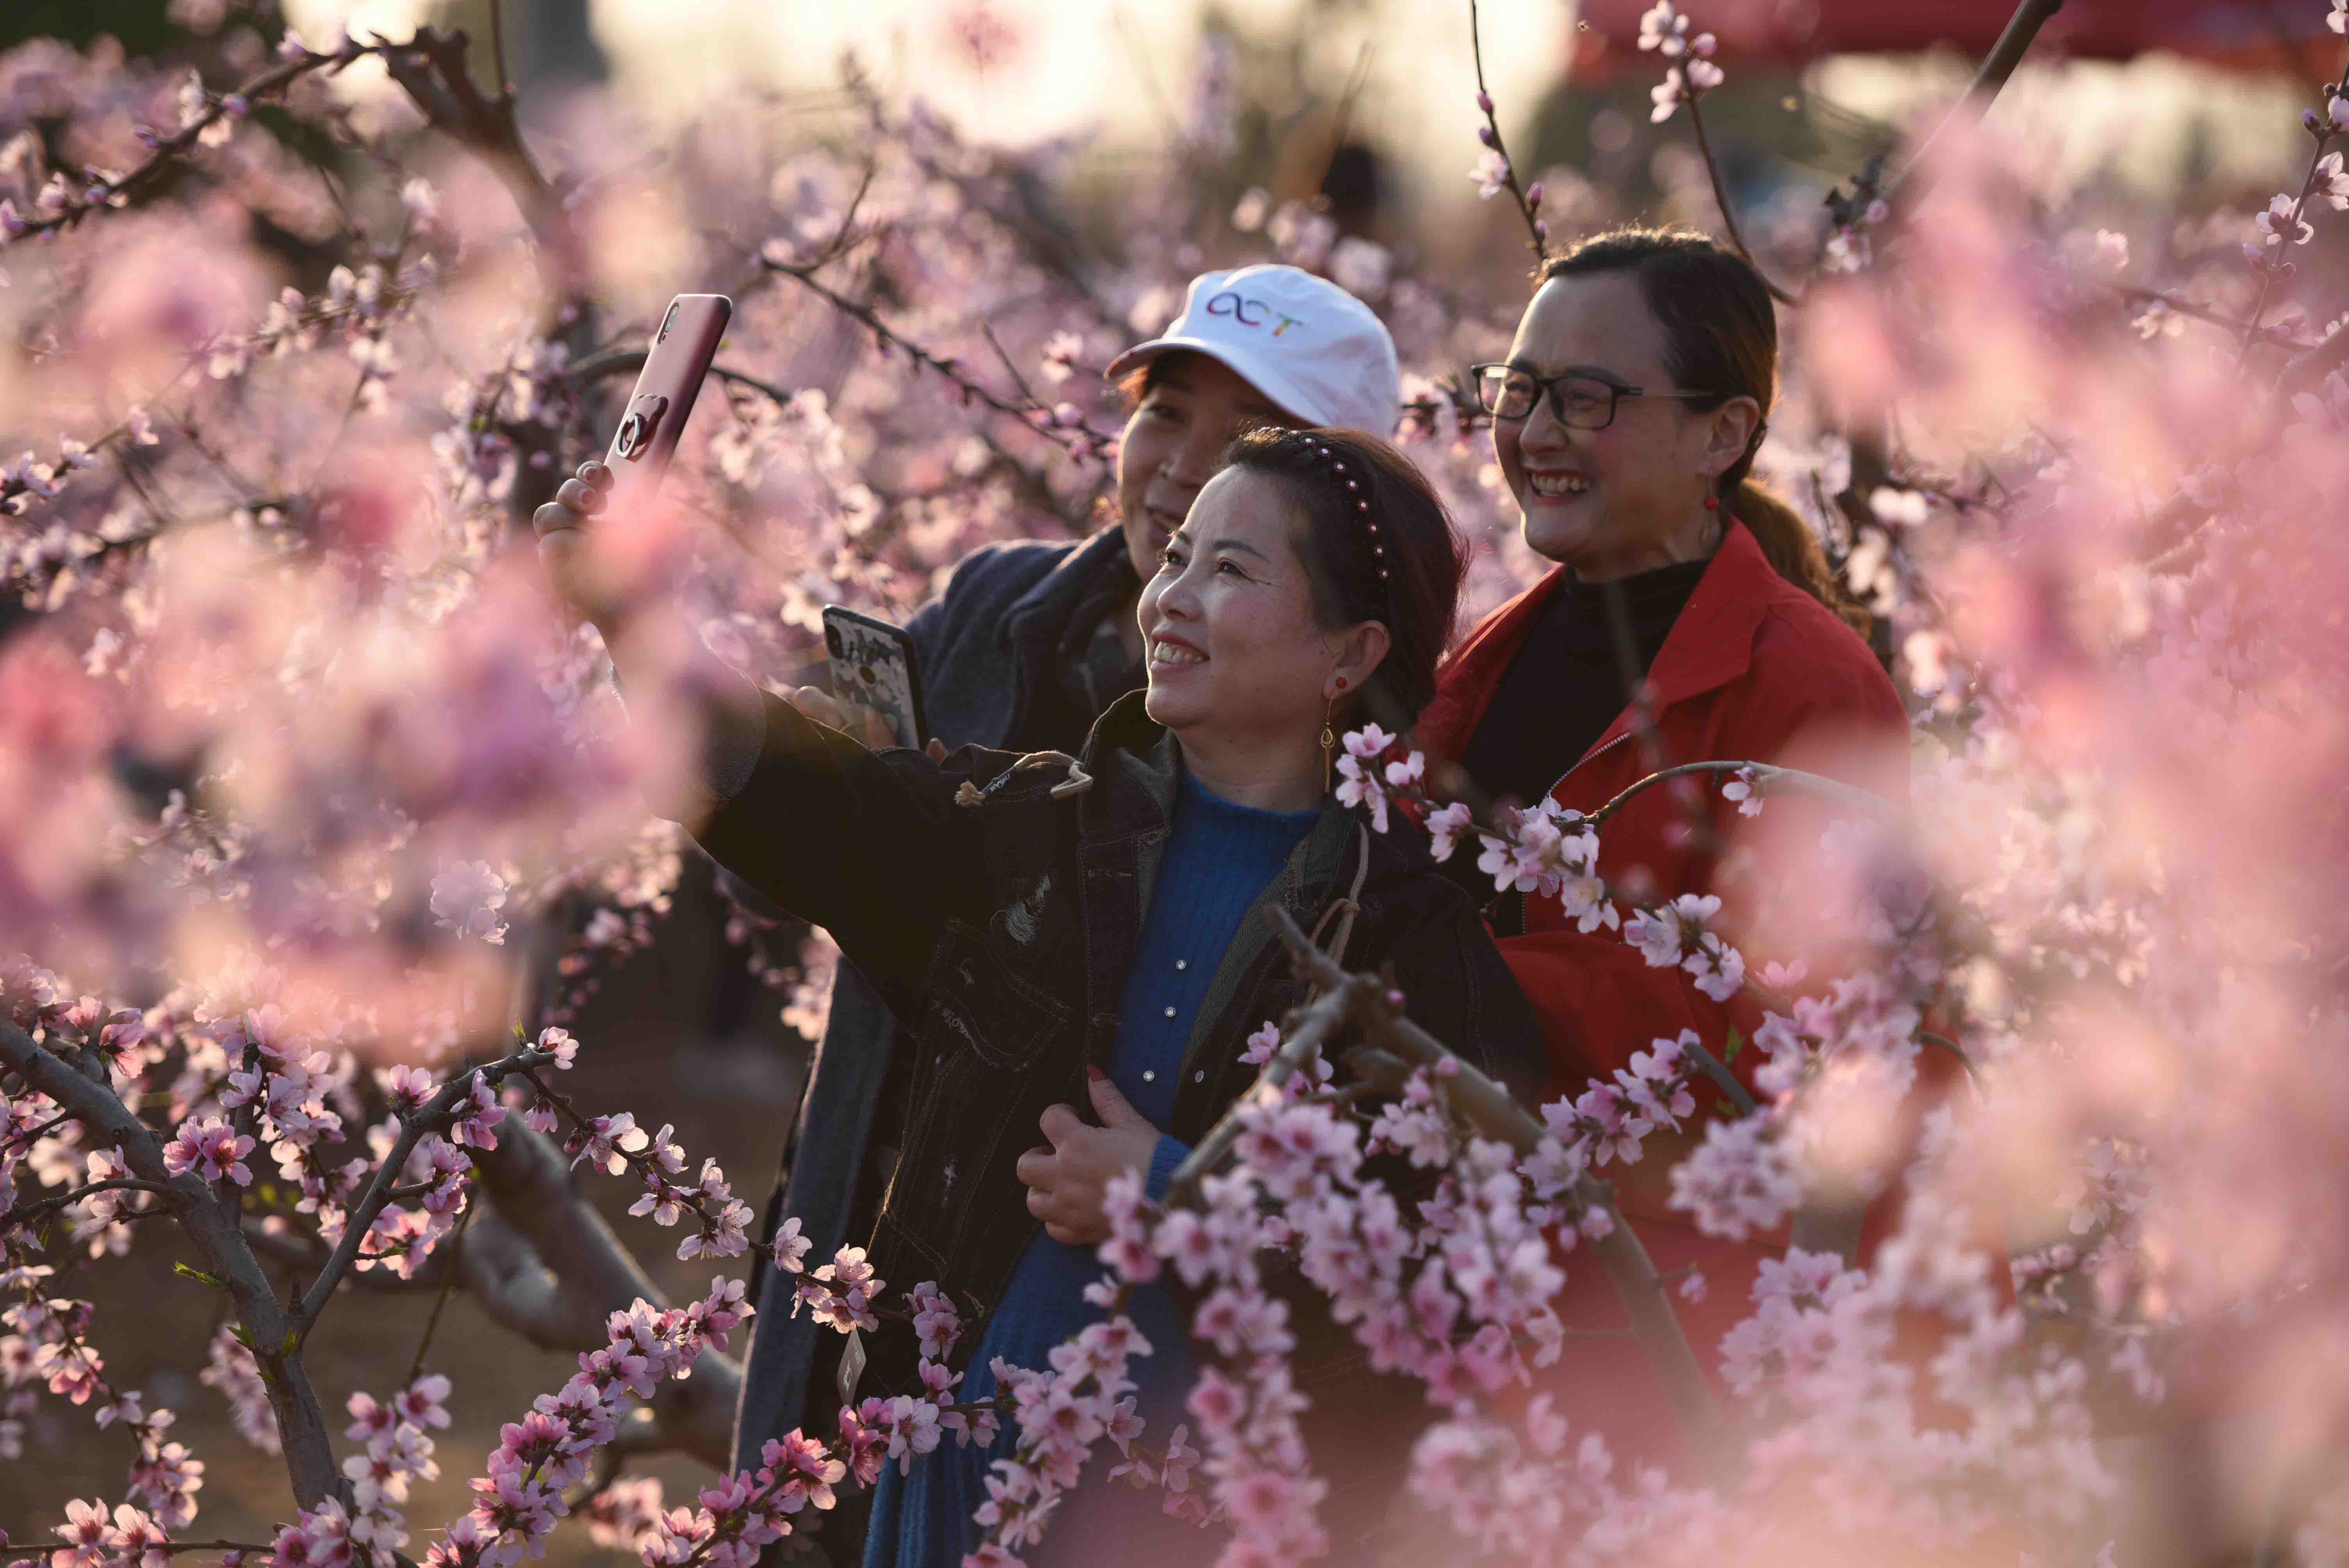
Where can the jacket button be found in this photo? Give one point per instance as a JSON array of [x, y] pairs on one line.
[[1199, 1076], [1148, 1076], [1169, 1012], [1182, 964]]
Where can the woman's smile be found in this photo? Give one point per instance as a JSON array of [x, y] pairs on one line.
[[1167, 652], [1557, 484]]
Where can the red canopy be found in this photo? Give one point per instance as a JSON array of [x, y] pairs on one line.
[[2264, 34]]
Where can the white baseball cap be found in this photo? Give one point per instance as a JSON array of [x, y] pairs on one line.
[[1302, 341]]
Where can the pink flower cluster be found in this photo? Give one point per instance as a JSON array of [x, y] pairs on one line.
[[1691, 72], [396, 1452], [520, 1494]]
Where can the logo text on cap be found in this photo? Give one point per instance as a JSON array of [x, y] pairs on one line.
[[1239, 307]]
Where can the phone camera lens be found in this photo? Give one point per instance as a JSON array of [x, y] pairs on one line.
[[832, 640]]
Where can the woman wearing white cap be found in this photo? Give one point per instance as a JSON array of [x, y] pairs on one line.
[[1028, 643]]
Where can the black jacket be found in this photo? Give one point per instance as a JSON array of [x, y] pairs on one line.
[[989, 649], [996, 902]]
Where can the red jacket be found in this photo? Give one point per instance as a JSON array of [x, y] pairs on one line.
[[1753, 669]]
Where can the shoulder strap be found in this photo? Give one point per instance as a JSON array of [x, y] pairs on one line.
[[1344, 910]]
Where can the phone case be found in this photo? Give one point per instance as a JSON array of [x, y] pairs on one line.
[[873, 663], [663, 400]]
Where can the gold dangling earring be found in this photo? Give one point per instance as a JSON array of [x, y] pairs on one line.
[[1328, 744]]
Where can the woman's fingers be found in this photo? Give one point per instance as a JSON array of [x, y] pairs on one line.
[[1059, 1121], [552, 518], [581, 497], [819, 705], [848, 717], [1034, 1168], [597, 475]]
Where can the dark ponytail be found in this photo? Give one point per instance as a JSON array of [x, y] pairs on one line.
[[1721, 334]]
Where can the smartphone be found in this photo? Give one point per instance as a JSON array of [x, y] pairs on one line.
[[666, 388], [873, 663]]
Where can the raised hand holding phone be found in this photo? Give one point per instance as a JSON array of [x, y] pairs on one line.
[[593, 577]]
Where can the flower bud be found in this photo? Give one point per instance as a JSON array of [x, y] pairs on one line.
[[1541, 229], [1484, 100], [1485, 134], [2310, 123], [1533, 196]]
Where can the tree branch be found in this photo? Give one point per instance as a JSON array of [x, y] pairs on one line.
[[620, 361], [1536, 231], [1720, 199], [2135, 294], [1915, 182], [1321, 1021], [2307, 369], [219, 1239], [431, 66], [1768, 779], [1361, 1000], [542, 1262], [1722, 1079], [115, 192], [436, 1113], [24, 1213], [1035, 418]]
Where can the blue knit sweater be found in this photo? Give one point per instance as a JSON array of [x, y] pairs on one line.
[[1219, 856]]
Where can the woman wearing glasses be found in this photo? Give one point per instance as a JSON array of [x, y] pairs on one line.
[[1625, 421]]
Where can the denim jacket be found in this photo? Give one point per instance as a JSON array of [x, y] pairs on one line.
[[996, 904]]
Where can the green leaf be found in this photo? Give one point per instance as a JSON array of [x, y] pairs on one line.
[[1735, 1042], [237, 1330], [292, 1337], [198, 1275]]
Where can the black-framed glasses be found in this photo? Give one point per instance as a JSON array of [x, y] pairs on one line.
[[1581, 398]]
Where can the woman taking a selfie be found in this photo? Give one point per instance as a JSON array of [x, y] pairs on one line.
[[1060, 935], [1029, 642], [1625, 421]]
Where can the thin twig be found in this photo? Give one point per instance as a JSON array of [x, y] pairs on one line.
[[498, 50], [1722, 1079], [168, 152], [448, 1284], [1915, 181], [1321, 1021], [24, 1213], [2318, 362], [1355, 79], [1720, 199], [2136, 295], [2268, 273], [620, 361], [1035, 416], [1951, 1045], [1768, 779], [1537, 233], [1009, 367], [213, 1227], [434, 1114]]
